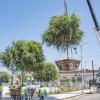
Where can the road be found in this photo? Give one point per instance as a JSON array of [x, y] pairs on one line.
[[87, 97]]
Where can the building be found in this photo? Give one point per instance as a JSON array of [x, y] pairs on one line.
[[87, 74], [69, 68]]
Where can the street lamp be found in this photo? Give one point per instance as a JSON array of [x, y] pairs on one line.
[[82, 73], [82, 69]]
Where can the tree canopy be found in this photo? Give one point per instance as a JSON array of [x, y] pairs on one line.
[[46, 72], [23, 55], [27, 56], [5, 77], [19, 76], [63, 32]]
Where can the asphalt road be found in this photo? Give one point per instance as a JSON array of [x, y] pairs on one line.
[[87, 97]]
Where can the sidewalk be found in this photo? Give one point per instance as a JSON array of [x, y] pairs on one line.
[[71, 94], [60, 96]]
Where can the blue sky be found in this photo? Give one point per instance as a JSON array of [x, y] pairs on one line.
[[28, 19]]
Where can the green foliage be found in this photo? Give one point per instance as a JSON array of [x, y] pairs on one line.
[[23, 55], [46, 72], [63, 32], [28, 56], [71, 89], [66, 80], [22, 75], [73, 79], [4, 77], [79, 79], [68, 89]]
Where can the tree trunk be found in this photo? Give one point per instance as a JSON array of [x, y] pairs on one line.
[[12, 78], [22, 78], [71, 52], [67, 51]]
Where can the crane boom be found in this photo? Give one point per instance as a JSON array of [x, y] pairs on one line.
[[97, 27], [93, 15]]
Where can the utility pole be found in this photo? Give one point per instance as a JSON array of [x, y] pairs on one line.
[[93, 70]]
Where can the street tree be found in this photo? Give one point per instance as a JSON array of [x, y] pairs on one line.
[[22, 55], [46, 72]]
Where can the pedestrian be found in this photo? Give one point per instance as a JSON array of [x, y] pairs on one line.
[[1, 91], [42, 93], [23, 92]]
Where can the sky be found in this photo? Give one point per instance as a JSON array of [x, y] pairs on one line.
[[28, 19]]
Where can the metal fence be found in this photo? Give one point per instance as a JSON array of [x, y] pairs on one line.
[[61, 87]]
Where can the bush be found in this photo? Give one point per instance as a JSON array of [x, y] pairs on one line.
[[71, 89], [68, 89]]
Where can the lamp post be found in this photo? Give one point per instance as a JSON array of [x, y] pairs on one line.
[[82, 73], [82, 69]]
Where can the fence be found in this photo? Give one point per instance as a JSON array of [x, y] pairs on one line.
[[61, 87]]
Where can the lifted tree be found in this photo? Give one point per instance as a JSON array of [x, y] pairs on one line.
[[63, 32]]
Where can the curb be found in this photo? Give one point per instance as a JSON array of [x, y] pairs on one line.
[[71, 97], [78, 95]]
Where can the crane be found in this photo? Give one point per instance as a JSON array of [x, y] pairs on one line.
[[97, 27], [97, 31]]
